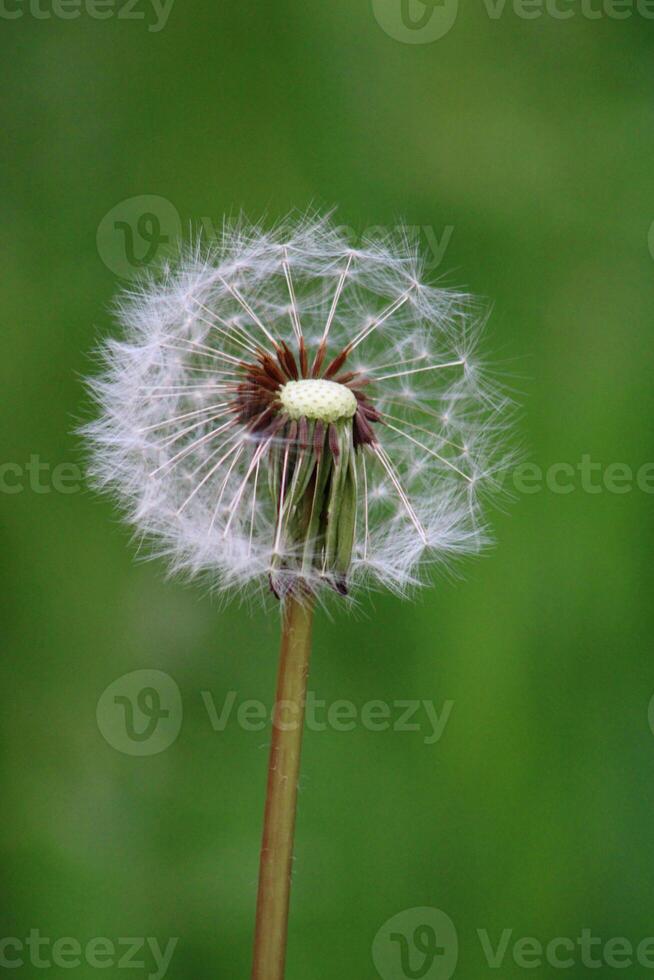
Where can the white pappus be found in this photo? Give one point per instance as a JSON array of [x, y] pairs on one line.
[[284, 410]]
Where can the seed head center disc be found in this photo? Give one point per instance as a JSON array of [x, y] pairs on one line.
[[315, 398]]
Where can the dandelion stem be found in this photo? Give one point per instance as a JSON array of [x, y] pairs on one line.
[[283, 773]]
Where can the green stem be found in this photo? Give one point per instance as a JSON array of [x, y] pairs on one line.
[[281, 800]]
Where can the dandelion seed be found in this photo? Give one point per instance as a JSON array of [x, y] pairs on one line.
[[324, 484]]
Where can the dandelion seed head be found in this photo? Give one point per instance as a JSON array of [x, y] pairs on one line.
[[284, 408]]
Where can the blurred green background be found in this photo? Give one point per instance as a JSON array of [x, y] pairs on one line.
[[524, 144]]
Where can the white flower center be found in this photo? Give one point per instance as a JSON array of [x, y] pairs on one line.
[[318, 399]]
